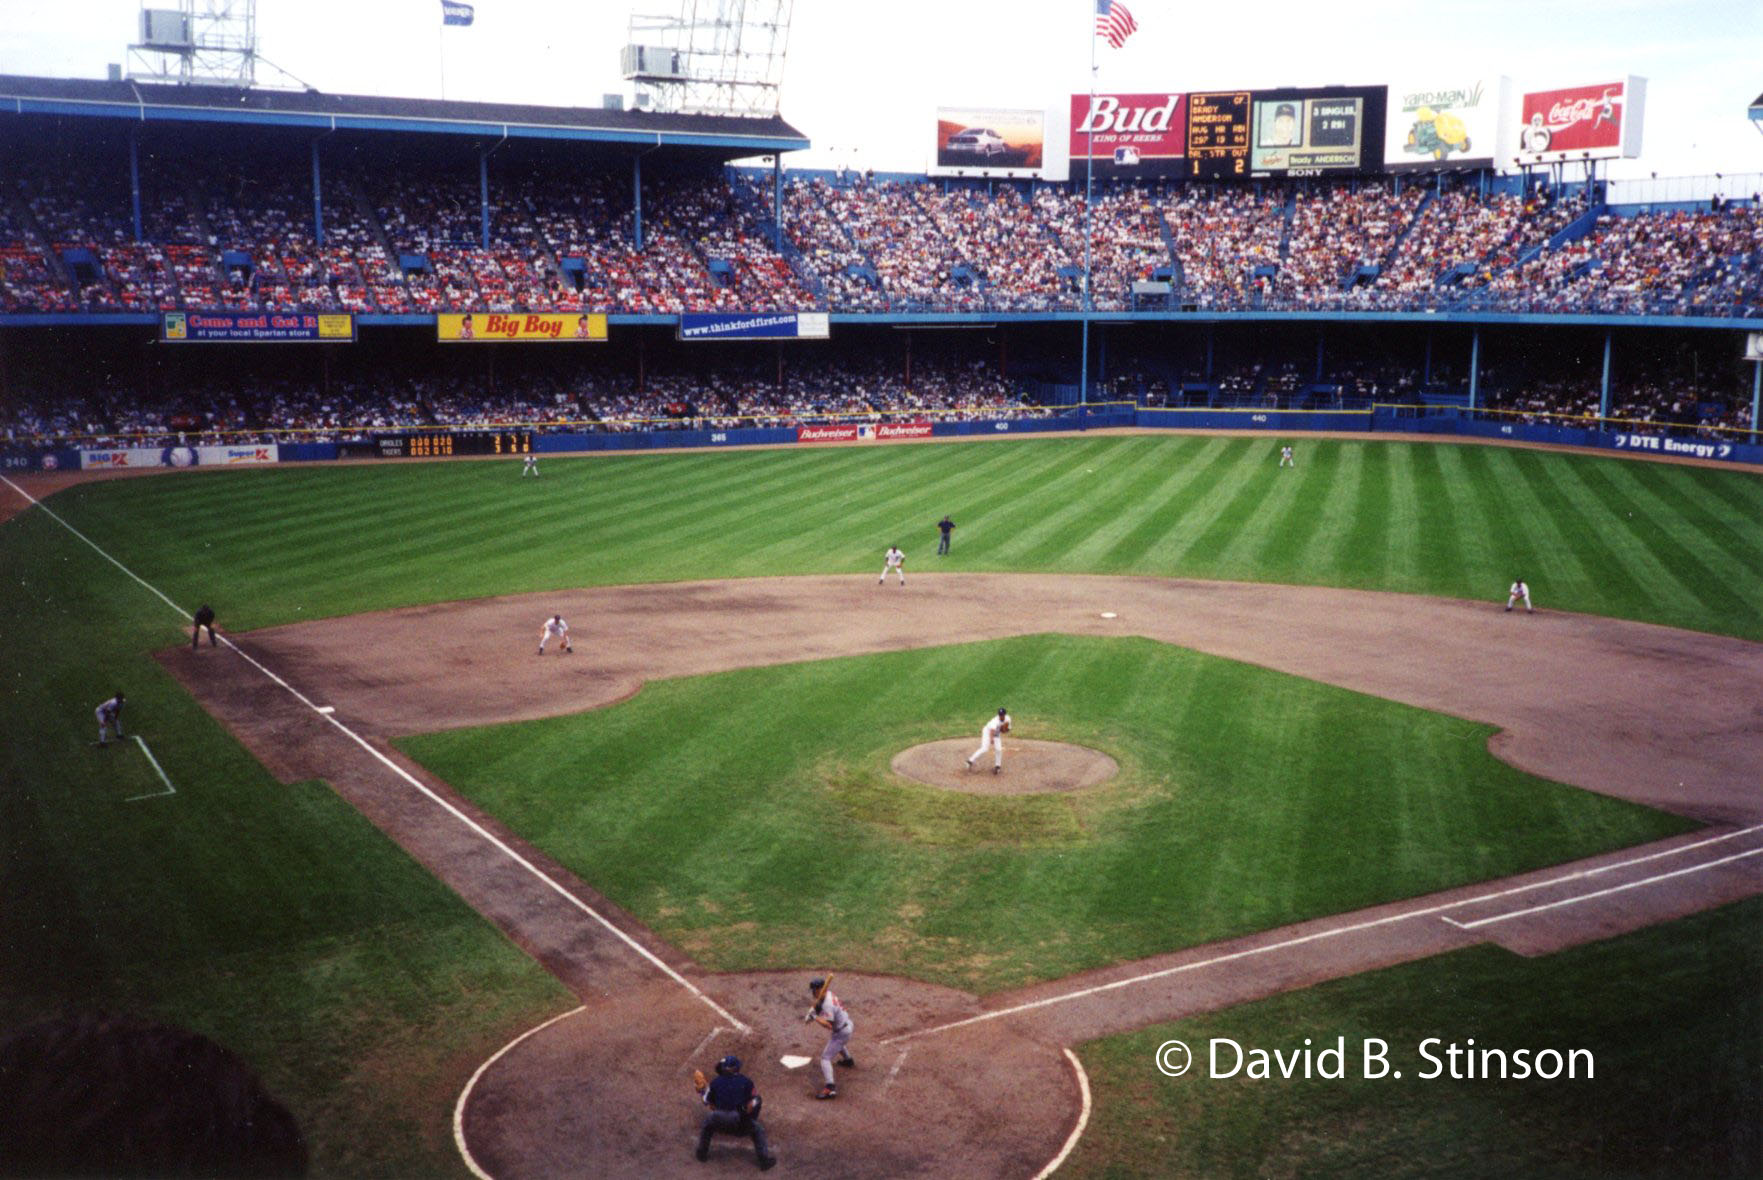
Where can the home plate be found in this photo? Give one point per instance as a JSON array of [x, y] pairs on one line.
[[1108, 614], [791, 1061]]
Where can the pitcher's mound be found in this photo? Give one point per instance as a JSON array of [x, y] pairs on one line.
[[1030, 767]]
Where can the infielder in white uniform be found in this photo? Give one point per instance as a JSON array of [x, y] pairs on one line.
[[1285, 457], [896, 561], [831, 1015], [1519, 591], [992, 738], [555, 628], [530, 466], [109, 716]]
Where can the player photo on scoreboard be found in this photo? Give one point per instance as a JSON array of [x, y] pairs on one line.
[[1306, 133]]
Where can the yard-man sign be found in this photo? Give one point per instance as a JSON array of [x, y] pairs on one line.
[[490, 326], [260, 327], [788, 325]]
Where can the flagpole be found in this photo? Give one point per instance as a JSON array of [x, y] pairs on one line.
[[1087, 304], [441, 47]]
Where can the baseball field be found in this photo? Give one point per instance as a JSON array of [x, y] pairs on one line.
[[1325, 727]]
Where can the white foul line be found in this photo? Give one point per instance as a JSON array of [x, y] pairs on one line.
[[169, 789], [1083, 1117], [1315, 936], [489, 836], [1577, 898], [895, 1071]]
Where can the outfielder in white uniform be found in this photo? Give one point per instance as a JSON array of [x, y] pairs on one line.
[[530, 466], [896, 561], [992, 738], [1285, 457], [555, 628], [831, 1015], [109, 716], [1519, 591]]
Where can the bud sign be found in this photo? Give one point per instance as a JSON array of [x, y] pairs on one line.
[[1145, 132]]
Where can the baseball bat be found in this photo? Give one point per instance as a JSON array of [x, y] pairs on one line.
[[825, 986]]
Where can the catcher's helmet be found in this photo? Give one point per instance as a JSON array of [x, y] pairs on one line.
[[729, 1064], [814, 985]]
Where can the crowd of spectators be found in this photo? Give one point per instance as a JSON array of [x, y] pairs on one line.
[[410, 237], [280, 407]]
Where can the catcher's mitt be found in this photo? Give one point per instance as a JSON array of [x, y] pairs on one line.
[[698, 1079]]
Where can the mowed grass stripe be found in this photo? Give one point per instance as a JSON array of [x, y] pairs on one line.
[[1635, 543], [1209, 517], [1160, 509], [1295, 513], [1336, 502], [1724, 539], [1065, 509]]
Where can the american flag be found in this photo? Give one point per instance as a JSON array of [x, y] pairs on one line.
[[1114, 23]]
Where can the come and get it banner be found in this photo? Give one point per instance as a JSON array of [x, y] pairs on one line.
[[490, 326], [255, 327]]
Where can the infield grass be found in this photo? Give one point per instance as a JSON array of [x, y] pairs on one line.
[[750, 816], [1671, 1014]]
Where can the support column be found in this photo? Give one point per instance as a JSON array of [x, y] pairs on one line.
[[1083, 377], [483, 195], [317, 201], [908, 335], [637, 189], [135, 178], [1102, 355], [1475, 368], [777, 203], [1319, 336], [1426, 368], [1604, 386], [1756, 398], [1209, 333]]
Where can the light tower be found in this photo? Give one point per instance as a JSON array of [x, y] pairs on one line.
[[196, 41], [715, 57]]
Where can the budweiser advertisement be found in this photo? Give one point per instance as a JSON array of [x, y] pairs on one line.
[[865, 432], [1130, 134], [986, 141], [1601, 121]]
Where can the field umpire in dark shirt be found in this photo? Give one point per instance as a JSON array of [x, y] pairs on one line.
[[204, 618], [947, 526], [734, 1110]]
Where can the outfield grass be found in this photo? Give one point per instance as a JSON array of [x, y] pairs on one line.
[[1658, 542], [750, 816], [1671, 1014]]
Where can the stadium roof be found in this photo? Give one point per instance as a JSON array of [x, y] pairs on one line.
[[149, 102], [1757, 107]]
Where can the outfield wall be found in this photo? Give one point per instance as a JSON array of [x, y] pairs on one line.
[[1380, 420]]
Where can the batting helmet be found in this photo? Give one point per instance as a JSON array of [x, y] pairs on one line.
[[729, 1064], [814, 986]]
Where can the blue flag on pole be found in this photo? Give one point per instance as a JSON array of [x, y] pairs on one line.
[[455, 13]]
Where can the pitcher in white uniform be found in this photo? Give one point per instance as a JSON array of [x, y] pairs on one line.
[[992, 738]]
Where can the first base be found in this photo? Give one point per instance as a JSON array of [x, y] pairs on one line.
[[1108, 614]]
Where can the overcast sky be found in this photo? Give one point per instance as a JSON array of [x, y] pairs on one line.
[[864, 79]]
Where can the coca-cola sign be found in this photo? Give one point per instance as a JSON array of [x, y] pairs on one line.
[[1599, 121], [1126, 133]]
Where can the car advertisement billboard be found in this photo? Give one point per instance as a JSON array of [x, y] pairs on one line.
[[1130, 134], [986, 141], [1444, 122], [1601, 121]]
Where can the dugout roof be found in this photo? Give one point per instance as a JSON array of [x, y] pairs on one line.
[[725, 137]]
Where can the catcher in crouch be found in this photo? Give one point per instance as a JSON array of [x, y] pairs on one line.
[[992, 738], [734, 1110], [830, 1015]]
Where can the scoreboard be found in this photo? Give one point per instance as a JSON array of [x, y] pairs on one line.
[[1218, 133], [1290, 132], [437, 444]]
